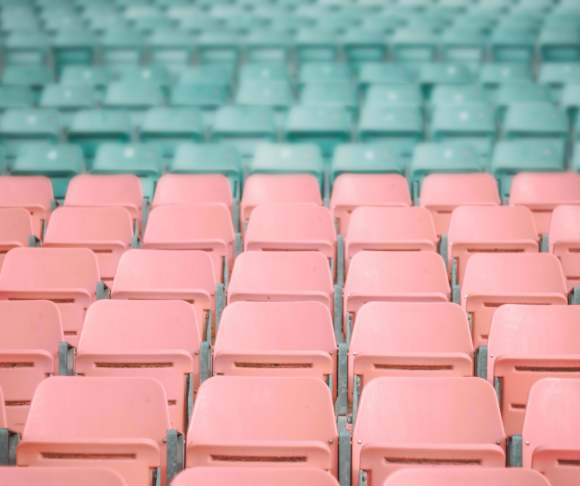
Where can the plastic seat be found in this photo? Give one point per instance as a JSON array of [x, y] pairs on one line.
[[453, 476], [362, 46], [157, 75], [264, 71], [170, 48], [155, 339], [33, 77], [16, 97], [559, 45], [69, 277], [463, 45], [218, 47], [265, 426], [543, 192], [276, 95], [512, 45], [26, 48], [432, 75], [316, 45], [26, 127], [215, 74], [71, 46], [31, 335], [170, 127], [470, 124], [353, 190], [61, 476], [394, 96], [556, 75], [509, 95], [563, 242], [332, 95], [458, 95], [204, 227], [119, 423], [68, 99], [432, 421], [413, 46], [209, 159], [133, 97], [324, 126], [120, 48], [267, 45], [15, 230], [143, 160], [169, 275], [97, 77], [489, 229], [382, 74], [543, 122], [91, 128], [494, 74], [255, 476], [492, 280], [107, 231]]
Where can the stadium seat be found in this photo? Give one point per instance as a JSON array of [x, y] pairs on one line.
[[394, 96], [155, 75], [120, 423], [362, 46], [61, 476], [68, 99], [315, 45], [353, 190], [558, 45], [460, 44], [73, 47], [134, 97], [472, 95], [264, 71], [454, 476], [206, 97], [28, 48], [443, 74], [97, 77], [492, 280], [32, 77], [375, 73], [509, 95], [332, 95], [26, 127], [512, 45], [216, 47], [493, 75], [428, 422], [15, 230], [241, 419], [171, 275], [121, 48], [266, 45], [563, 242], [18, 97], [155, 339], [216, 74], [170, 48], [543, 122], [107, 231], [542, 193], [69, 277], [557, 75], [324, 73], [31, 336], [414, 46], [276, 95]]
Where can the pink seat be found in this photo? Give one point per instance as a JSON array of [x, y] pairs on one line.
[[402, 276], [15, 230], [390, 229], [434, 341], [489, 229], [31, 333], [118, 423], [353, 190], [278, 189], [105, 191], [60, 476], [169, 275], [564, 241], [207, 228], [492, 280], [442, 193], [185, 189], [67, 276], [527, 343], [276, 276], [33, 193], [276, 339], [105, 231], [425, 422], [157, 339], [265, 421], [454, 476], [552, 429], [255, 476], [543, 192]]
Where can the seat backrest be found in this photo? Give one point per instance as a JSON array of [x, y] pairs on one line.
[[178, 189], [564, 238], [15, 229], [61, 476], [454, 476]]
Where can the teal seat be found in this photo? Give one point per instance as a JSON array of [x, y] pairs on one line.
[[361, 46], [143, 160], [314, 45], [157, 75], [474, 22], [335, 22], [243, 23], [264, 72], [494, 74], [324, 127], [285, 158], [207, 97], [147, 25], [519, 21], [387, 24], [16, 97], [60, 163], [110, 21], [290, 23], [26, 48], [460, 95], [244, 127], [513, 156], [512, 45], [509, 95], [561, 20], [73, 48], [170, 127], [544, 122], [68, 100], [209, 74], [121, 48], [24, 127], [170, 48], [97, 77], [401, 126], [442, 158], [470, 124], [134, 97], [381, 73], [464, 45], [91, 128], [424, 21], [336, 95], [268, 46], [394, 96], [571, 101], [556, 75], [414, 47], [559, 45], [366, 158], [324, 72], [196, 24], [274, 94], [209, 158], [216, 47], [432, 75], [33, 77]]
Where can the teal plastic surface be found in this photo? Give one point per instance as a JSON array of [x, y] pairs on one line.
[[25, 127]]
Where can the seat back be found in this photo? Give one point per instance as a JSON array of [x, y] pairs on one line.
[[564, 239], [454, 476], [61, 476], [15, 230]]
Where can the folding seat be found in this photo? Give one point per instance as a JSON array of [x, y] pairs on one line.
[[133, 97], [492, 280], [120, 423], [453, 476], [362, 46], [61, 476], [509, 95], [512, 45], [401, 126], [92, 128], [471, 124], [324, 73], [276, 95], [351, 191], [107, 231], [155, 339], [27, 127], [265, 45], [29, 48], [16, 97], [393, 276], [172, 275], [559, 44], [432, 75], [543, 122], [264, 71], [218, 47], [316, 45], [157, 75], [73, 47], [443, 158], [15, 230], [414, 46], [494, 74], [170, 127], [460, 44], [31, 337], [97, 77], [394, 96], [471, 95], [255, 476], [513, 156], [557, 75], [216, 74], [241, 419], [380, 73], [170, 48], [563, 244], [121, 47], [426, 421], [68, 100], [207, 97], [59, 163], [69, 277], [543, 192], [332, 95]]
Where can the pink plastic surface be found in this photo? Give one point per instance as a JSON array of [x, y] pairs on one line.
[[15, 228], [564, 241], [60, 476], [457, 476]]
